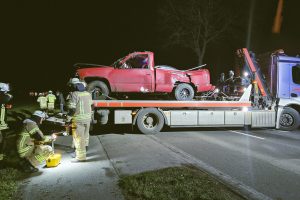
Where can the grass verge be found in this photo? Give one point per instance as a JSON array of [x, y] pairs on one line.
[[9, 182], [184, 183], [9, 173]]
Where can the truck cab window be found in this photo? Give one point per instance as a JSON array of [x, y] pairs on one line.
[[138, 61], [296, 74]]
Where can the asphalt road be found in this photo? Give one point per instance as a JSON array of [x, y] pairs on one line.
[[261, 164], [266, 160]]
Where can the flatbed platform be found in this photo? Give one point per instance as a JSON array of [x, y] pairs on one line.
[[169, 104]]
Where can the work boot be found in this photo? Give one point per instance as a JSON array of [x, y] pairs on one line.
[[74, 160], [27, 167], [30, 169], [34, 168]]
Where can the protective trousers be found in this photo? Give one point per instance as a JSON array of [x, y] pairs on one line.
[[50, 106], [80, 132], [40, 154], [36, 154], [87, 140]]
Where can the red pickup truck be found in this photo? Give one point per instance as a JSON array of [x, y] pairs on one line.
[[136, 73]]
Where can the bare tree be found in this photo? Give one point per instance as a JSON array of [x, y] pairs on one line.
[[195, 23]]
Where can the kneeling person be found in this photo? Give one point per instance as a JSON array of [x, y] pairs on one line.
[[31, 143]]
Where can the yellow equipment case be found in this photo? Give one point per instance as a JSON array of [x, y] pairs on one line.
[[53, 160]]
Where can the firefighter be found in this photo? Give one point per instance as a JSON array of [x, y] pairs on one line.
[[31, 143], [51, 100], [5, 97], [43, 102], [80, 109], [61, 100]]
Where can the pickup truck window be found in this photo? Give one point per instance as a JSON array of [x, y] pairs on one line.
[[138, 62], [296, 74]]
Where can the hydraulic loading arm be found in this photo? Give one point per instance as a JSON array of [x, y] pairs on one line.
[[258, 78]]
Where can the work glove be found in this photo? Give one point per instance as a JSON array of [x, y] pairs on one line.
[[53, 137]]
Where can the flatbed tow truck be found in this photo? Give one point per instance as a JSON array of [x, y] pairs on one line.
[[272, 102]]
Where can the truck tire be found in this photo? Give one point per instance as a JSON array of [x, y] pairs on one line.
[[184, 92], [289, 119], [98, 89], [150, 121]]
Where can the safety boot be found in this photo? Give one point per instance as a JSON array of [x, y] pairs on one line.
[[27, 167]]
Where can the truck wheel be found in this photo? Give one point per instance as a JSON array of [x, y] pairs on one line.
[[98, 89], [184, 92], [150, 121], [289, 119]]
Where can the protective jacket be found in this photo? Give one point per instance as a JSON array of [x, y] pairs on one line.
[[51, 98], [43, 102], [79, 105], [29, 137]]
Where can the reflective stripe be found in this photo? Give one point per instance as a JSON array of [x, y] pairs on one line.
[[21, 144], [82, 117], [25, 149], [80, 154], [39, 158], [83, 94], [71, 105], [81, 111], [33, 130], [22, 155], [24, 134]]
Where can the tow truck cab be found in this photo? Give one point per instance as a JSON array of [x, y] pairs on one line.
[[285, 77]]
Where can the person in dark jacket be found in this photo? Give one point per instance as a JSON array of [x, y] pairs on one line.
[[61, 101]]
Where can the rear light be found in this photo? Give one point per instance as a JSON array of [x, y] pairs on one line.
[[8, 106]]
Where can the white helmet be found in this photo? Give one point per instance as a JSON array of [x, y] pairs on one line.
[[84, 83], [74, 81], [4, 87], [50, 92], [40, 114]]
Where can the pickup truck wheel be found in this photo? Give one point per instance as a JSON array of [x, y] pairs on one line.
[[98, 89], [184, 92], [150, 121], [289, 119]]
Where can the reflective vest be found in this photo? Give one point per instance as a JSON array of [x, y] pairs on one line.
[[81, 102], [43, 101], [51, 98]]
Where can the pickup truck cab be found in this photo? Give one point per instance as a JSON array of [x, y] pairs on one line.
[[137, 73]]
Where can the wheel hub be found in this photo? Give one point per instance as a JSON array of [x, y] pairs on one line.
[[286, 120], [149, 121], [184, 93]]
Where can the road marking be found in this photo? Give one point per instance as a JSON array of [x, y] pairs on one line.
[[261, 138]]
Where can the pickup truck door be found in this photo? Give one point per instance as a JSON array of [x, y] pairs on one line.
[[133, 76]]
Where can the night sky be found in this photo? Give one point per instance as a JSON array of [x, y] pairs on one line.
[[41, 40]]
